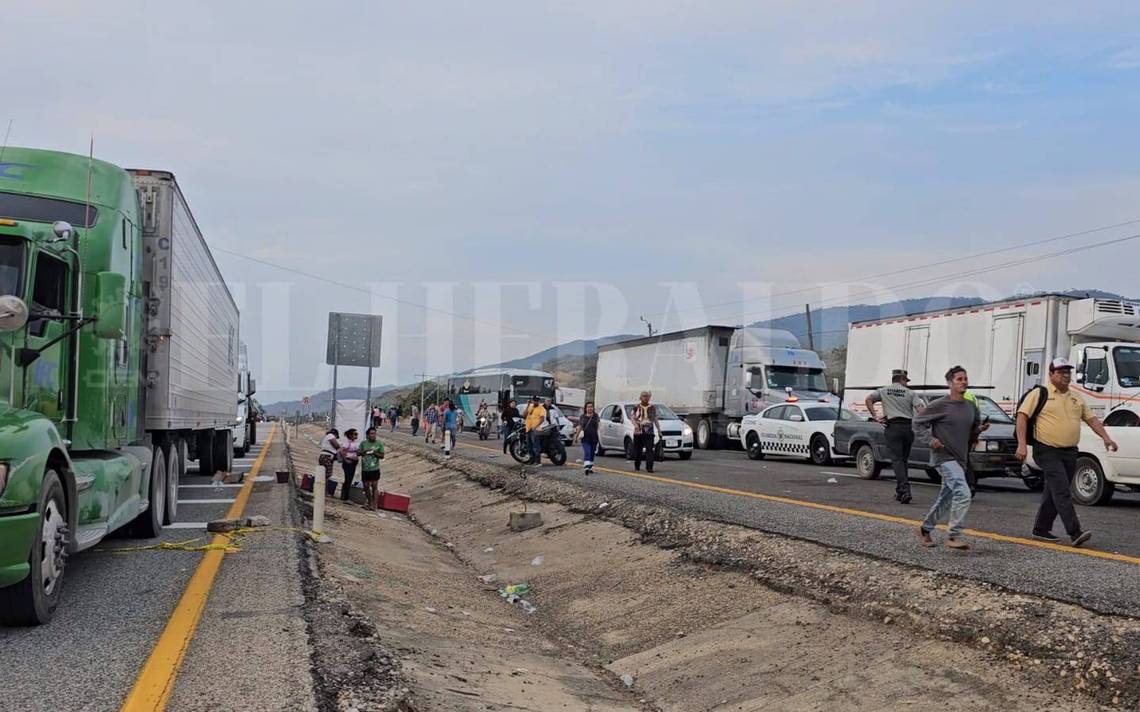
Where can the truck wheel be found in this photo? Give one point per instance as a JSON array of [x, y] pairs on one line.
[[1089, 485], [149, 524], [752, 444], [33, 600], [223, 452], [706, 440], [172, 478], [820, 450], [206, 462], [628, 449], [252, 433], [865, 463]]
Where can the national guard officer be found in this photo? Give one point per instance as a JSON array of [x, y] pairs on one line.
[[899, 405]]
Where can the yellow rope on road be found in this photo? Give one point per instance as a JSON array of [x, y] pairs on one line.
[[233, 544]]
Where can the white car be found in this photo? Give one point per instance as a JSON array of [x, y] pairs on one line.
[[802, 429], [615, 431], [565, 426]]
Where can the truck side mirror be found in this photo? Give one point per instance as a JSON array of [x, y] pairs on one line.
[[13, 313], [111, 305], [835, 386]]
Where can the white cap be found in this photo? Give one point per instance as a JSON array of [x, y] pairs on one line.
[[1059, 363]]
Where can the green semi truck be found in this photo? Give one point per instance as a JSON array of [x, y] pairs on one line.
[[118, 359]]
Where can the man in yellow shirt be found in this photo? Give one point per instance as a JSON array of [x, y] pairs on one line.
[[1056, 433], [535, 419]]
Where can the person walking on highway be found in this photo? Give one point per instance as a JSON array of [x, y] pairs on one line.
[[535, 422], [948, 424], [349, 459], [1056, 432], [588, 429], [415, 421], [899, 406], [509, 419], [450, 424], [377, 416], [432, 418], [371, 453], [645, 426], [393, 414]]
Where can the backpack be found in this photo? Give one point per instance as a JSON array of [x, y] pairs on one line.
[[1031, 426]]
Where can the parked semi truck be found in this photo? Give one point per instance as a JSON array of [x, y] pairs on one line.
[[1006, 346], [712, 376], [118, 364], [245, 425]]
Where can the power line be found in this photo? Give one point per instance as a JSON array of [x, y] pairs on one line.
[[891, 273], [981, 270]]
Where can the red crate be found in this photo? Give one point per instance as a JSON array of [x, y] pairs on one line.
[[307, 482], [393, 502]]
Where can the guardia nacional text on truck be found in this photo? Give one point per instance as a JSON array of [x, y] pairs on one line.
[[120, 355]]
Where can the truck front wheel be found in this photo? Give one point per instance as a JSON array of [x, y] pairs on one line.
[[33, 600], [1089, 484]]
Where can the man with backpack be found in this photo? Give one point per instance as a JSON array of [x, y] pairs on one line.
[[1049, 418]]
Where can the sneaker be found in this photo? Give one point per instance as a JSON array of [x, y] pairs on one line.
[[905, 499], [924, 537], [957, 544], [1045, 536], [1081, 539]]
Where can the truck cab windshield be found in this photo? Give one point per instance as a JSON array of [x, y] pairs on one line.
[[1127, 360], [11, 266], [797, 378]]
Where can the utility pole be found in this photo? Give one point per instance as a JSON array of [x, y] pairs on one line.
[[810, 335], [649, 326], [423, 381]]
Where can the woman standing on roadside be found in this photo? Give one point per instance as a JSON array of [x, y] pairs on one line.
[[371, 453], [350, 454], [330, 451], [588, 428]]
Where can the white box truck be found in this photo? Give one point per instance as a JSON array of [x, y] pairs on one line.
[[712, 376], [1006, 345]]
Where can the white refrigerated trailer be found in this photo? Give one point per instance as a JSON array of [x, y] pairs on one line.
[[712, 376], [191, 355], [1006, 345]]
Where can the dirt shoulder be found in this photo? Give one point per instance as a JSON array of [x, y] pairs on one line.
[[700, 615]]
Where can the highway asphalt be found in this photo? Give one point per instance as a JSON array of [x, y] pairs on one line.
[[725, 485], [114, 606]]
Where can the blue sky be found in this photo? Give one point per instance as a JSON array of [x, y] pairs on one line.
[[676, 153]]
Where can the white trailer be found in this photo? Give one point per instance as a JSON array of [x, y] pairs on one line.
[[1007, 345], [712, 376], [570, 401], [191, 354]]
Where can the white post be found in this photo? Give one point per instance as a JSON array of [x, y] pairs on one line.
[[319, 505]]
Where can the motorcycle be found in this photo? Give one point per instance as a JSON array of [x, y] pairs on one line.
[[518, 444], [483, 426]]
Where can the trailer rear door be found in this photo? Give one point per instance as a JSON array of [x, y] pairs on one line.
[[917, 351], [1005, 362]]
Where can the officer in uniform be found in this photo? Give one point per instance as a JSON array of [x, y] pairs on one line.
[[899, 405]]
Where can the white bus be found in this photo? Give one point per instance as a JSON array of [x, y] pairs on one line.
[[494, 386]]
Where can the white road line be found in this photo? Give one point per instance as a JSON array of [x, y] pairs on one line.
[[205, 501], [205, 486], [186, 525], [840, 474]]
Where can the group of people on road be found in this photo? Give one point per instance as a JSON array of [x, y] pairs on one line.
[[1049, 418], [350, 453]]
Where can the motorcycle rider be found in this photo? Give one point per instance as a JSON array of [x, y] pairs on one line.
[[510, 417], [482, 416], [535, 420]]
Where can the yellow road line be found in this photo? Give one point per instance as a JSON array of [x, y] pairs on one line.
[[156, 680], [981, 534]]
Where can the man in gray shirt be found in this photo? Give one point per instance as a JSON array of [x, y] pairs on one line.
[[898, 409], [948, 424]]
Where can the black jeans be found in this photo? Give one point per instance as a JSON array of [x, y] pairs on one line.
[[1059, 465], [349, 476], [900, 438], [415, 426], [643, 443]]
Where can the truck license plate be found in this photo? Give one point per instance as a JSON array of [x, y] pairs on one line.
[[672, 443]]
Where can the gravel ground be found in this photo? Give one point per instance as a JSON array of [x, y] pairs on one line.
[[1055, 641]]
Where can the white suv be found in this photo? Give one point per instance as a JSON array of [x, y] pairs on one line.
[[615, 431]]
